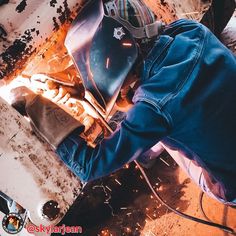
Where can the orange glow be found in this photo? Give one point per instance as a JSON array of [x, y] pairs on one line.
[[105, 232], [128, 230], [127, 44], [126, 166]]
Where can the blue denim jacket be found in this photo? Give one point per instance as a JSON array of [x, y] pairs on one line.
[[187, 100]]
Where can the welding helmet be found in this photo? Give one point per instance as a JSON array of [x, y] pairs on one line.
[[102, 42]]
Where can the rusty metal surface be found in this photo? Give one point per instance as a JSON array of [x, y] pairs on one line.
[[31, 173], [27, 24]]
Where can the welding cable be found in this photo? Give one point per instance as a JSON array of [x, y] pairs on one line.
[[209, 223], [201, 206]]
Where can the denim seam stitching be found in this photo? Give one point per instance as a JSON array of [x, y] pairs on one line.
[[166, 115], [198, 53], [163, 102]]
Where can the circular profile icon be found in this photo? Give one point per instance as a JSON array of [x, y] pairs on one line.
[[12, 223]]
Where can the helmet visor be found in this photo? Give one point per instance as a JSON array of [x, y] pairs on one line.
[[103, 51]]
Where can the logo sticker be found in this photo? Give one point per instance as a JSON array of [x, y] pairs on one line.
[[12, 223], [119, 33]]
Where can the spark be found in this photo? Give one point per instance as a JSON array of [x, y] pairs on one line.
[[164, 161], [108, 188], [106, 233], [138, 225], [160, 188], [128, 230], [190, 13], [123, 208], [149, 217], [107, 63], [126, 166], [150, 232], [127, 44], [159, 179], [118, 182]]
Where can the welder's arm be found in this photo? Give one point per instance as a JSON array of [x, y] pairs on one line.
[[143, 127]]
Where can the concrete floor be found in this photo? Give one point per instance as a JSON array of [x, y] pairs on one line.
[[122, 205]]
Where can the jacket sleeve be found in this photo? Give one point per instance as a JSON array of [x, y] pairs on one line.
[[143, 127]]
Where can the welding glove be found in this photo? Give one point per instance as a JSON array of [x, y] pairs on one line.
[[48, 120]]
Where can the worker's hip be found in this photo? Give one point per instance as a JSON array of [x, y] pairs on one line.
[[196, 173]]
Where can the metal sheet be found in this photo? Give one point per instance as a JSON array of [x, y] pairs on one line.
[[30, 172], [25, 25]]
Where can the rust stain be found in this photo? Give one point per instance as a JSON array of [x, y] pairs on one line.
[[18, 51], [15, 56], [56, 25], [64, 14]]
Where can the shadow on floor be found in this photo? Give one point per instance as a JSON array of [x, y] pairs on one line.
[[121, 203]]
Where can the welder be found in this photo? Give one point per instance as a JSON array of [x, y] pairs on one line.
[[185, 101]]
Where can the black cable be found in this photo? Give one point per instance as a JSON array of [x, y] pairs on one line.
[[201, 206], [209, 223]]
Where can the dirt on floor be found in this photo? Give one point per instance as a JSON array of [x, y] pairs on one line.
[[123, 205]]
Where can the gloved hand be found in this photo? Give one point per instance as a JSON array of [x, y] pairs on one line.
[[48, 120]]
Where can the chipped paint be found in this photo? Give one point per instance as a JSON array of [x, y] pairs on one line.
[[36, 169], [53, 3], [27, 27], [21, 7]]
